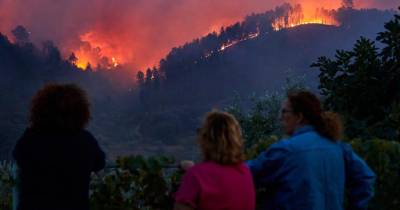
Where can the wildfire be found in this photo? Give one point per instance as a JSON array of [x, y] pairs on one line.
[[295, 16], [291, 17], [114, 62], [95, 53], [109, 51], [234, 42]]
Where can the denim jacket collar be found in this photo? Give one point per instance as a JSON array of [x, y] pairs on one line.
[[303, 129]]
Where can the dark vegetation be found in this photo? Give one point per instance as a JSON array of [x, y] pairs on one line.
[[360, 83], [25, 67], [166, 106], [369, 92], [198, 75]]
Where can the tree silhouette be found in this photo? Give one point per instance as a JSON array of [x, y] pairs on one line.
[[148, 77], [21, 35], [362, 84], [156, 79], [72, 59], [140, 78]]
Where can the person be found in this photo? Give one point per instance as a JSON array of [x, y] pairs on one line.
[[222, 180], [56, 155], [312, 168]]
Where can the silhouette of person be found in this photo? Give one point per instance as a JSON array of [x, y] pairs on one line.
[[56, 155]]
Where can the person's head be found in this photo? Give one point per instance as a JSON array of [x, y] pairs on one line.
[[220, 139], [59, 108], [304, 108]]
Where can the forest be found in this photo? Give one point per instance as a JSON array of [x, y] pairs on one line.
[[357, 79]]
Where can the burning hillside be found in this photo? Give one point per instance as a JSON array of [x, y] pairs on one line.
[[96, 53], [101, 53], [295, 16], [288, 16], [138, 34]]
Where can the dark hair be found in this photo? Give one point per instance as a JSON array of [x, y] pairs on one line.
[[59, 108], [327, 124], [220, 139]]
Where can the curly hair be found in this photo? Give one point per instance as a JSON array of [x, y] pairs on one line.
[[327, 124], [59, 108], [220, 139]]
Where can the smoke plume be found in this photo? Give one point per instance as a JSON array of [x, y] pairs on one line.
[[139, 32]]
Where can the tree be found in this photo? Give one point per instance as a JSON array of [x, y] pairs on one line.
[[88, 68], [156, 78], [391, 57], [51, 53], [21, 35], [348, 3], [148, 78], [72, 59], [362, 84], [140, 78]]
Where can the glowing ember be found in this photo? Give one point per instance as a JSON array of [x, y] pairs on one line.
[[232, 43], [224, 46], [114, 61]]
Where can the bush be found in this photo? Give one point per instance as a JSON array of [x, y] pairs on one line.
[[383, 156], [135, 183], [6, 184]]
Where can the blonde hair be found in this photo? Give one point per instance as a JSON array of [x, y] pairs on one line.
[[220, 138]]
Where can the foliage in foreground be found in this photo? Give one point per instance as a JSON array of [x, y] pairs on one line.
[[363, 85], [383, 156], [149, 183], [6, 184], [136, 183]]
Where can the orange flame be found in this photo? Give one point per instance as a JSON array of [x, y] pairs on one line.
[[110, 51], [234, 42], [296, 16], [95, 52]]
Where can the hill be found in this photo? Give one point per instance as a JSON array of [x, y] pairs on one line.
[[244, 58]]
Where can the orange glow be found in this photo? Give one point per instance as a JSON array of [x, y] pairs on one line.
[[110, 50], [138, 34], [297, 16], [82, 61], [96, 52], [232, 43], [114, 62]]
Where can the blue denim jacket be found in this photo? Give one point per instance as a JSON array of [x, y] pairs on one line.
[[308, 171]]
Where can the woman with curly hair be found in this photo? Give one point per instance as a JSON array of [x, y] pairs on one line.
[[56, 155], [222, 180], [312, 168]]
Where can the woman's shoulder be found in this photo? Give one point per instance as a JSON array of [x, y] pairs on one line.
[[282, 145], [210, 166], [205, 165]]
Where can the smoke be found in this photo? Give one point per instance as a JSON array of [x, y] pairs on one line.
[[379, 4], [348, 3], [138, 32]]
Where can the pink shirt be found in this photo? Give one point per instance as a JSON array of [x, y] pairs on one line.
[[209, 186]]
